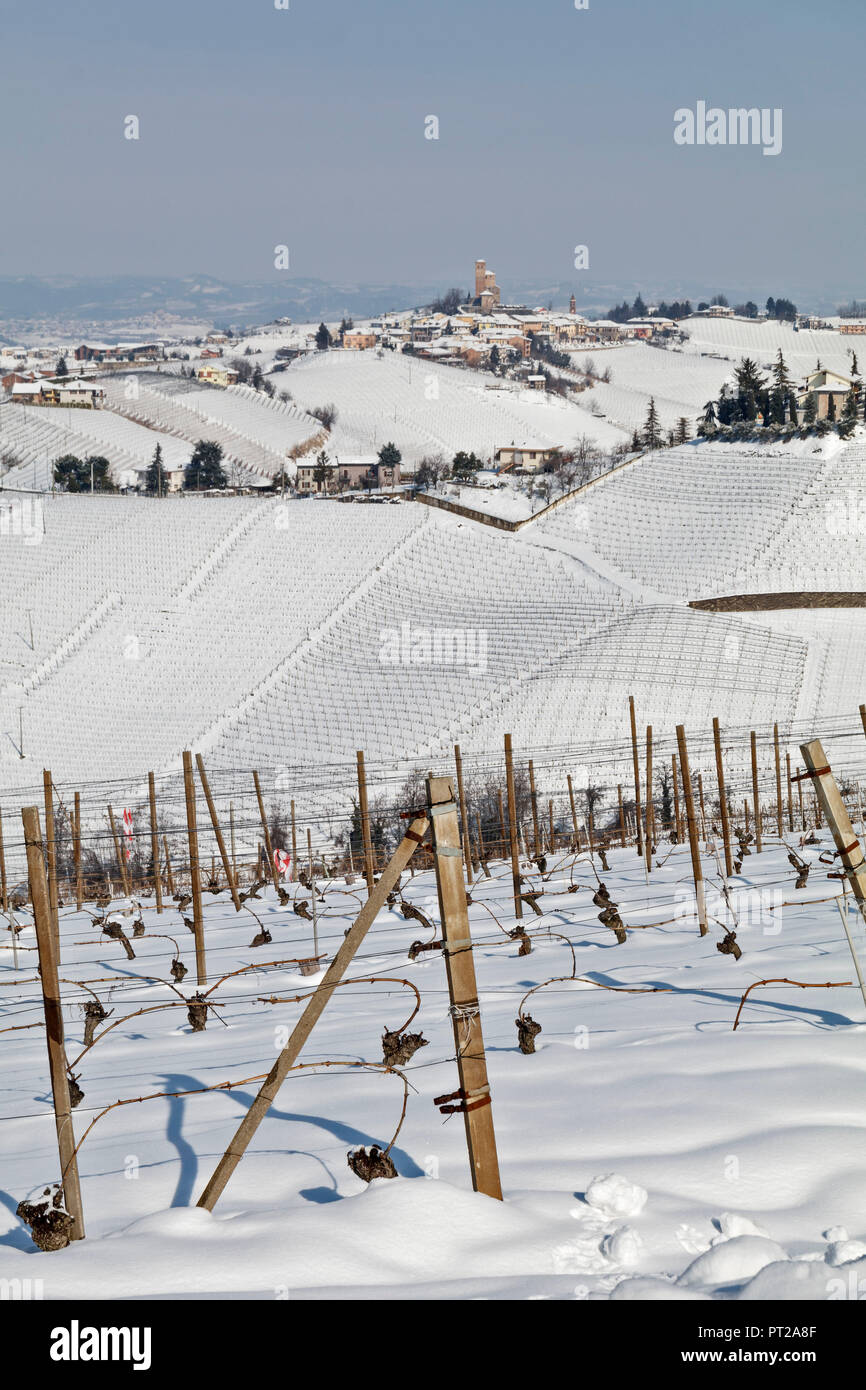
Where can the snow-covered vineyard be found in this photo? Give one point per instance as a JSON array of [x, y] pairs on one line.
[[652, 1142], [646, 1149]]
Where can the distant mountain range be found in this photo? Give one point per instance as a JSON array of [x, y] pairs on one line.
[[59, 306]]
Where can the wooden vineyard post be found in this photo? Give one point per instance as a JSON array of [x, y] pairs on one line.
[[502, 831], [227, 864], [621, 817], [637, 806], [849, 851], [118, 853], [703, 812], [650, 805], [551, 834], [51, 849], [512, 828], [169, 877], [295, 843], [691, 823], [473, 1097], [272, 868], [533, 801], [45, 941], [4, 896], [313, 903], [723, 799], [312, 1013], [154, 842], [790, 798], [369, 872], [755, 799], [232, 842], [780, 825], [573, 814], [76, 854], [863, 717], [798, 780], [678, 824], [482, 851], [194, 872], [466, 839]]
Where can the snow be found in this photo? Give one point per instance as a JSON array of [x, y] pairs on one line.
[[646, 1151]]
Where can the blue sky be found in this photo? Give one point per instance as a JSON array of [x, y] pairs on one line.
[[305, 127]]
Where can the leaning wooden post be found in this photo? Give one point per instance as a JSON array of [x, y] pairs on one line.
[[849, 851], [118, 853], [313, 1012], [44, 922], [691, 823], [790, 798], [154, 842], [464, 819], [512, 828], [195, 875], [621, 817], [637, 807], [4, 897], [723, 799], [573, 814], [502, 831], [473, 1097], [76, 852], [217, 830], [272, 868], [650, 804], [369, 871], [780, 825]]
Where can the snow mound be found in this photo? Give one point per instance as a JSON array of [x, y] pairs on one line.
[[656, 1290], [807, 1279], [732, 1262], [843, 1252], [733, 1223], [614, 1195], [624, 1246]]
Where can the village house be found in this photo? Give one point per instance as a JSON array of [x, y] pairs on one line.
[[529, 457], [852, 325], [210, 352], [823, 385], [348, 474], [217, 376], [358, 341], [56, 393]]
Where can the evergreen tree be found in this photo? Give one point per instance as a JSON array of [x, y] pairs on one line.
[[156, 479], [708, 419], [682, 435], [79, 475], [323, 471], [390, 456], [831, 406], [849, 414], [810, 410], [204, 469], [257, 378], [465, 466], [61, 369], [652, 434], [323, 337], [792, 408]]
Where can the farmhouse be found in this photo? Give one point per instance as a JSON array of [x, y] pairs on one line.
[[852, 325], [347, 473], [77, 393], [359, 341], [217, 376], [824, 386], [526, 456]]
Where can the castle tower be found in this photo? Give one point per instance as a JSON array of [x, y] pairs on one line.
[[572, 305], [480, 277]]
